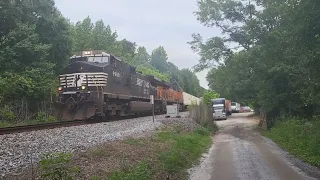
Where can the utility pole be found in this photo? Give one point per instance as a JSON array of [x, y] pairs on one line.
[[152, 102]]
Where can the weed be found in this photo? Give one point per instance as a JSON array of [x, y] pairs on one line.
[[4, 124], [132, 141], [99, 153], [42, 117], [178, 129], [57, 166], [6, 113], [141, 172], [203, 131]]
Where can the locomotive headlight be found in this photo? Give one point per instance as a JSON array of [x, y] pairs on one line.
[[83, 87]]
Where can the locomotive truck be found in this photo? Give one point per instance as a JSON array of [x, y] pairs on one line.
[[97, 84]]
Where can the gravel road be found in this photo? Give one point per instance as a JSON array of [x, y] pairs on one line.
[[17, 151], [240, 153]]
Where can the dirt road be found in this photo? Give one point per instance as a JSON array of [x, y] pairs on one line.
[[239, 152]]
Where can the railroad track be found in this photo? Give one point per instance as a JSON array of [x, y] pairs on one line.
[[35, 127]]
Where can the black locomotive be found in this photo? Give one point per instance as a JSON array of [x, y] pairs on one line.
[[98, 84]]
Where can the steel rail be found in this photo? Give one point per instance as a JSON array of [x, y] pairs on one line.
[[35, 127]]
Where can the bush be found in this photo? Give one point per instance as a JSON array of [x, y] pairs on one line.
[[300, 137], [42, 117], [6, 114], [56, 166], [208, 96]]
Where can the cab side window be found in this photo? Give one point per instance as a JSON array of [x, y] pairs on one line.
[[114, 63]]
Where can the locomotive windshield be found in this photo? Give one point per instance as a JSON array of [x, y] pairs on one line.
[[96, 59], [91, 56], [103, 59]]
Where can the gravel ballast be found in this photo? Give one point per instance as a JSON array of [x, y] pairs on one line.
[[19, 150]]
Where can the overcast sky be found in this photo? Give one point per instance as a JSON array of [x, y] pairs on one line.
[[149, 23]]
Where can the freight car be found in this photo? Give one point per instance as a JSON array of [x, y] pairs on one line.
[[189, 99], [98, 85]]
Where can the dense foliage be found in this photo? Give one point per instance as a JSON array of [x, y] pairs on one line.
[[36, 42], [275, 65], [299, 137], [208, 96]]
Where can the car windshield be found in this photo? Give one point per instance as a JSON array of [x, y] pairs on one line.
[[218, 101], [233, 104], [217, 107]]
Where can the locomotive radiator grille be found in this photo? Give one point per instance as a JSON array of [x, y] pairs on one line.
[[80, 79]]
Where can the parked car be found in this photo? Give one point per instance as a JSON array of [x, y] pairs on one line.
[[241, 109], [246, 109]]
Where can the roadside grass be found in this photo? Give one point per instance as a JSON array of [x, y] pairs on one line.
[[186, 149], [300, 138], [170, 152]]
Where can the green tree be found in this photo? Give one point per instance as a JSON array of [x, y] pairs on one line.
[[141, 57], [82, 35], [126, 50], [102, 37], [276, 66], [208, 96], [159, 59], [35, 43], [191, 82], [149, 70]]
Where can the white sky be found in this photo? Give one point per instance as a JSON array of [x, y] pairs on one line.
[[149, 23]]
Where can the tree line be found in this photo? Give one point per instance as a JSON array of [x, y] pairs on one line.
[[37, 42], [274, 65]]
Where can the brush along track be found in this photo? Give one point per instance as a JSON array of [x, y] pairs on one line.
[[34, 127]]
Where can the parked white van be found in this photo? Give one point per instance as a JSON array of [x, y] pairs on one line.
[[235, 107]]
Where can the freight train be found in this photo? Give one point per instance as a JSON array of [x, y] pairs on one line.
[[98, 85]]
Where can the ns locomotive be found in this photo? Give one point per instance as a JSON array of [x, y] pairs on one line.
[[98, 84]]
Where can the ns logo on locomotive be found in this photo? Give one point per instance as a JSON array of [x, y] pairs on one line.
[[98, 84]]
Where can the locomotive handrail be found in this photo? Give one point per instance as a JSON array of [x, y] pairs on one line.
[[97, 86]]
